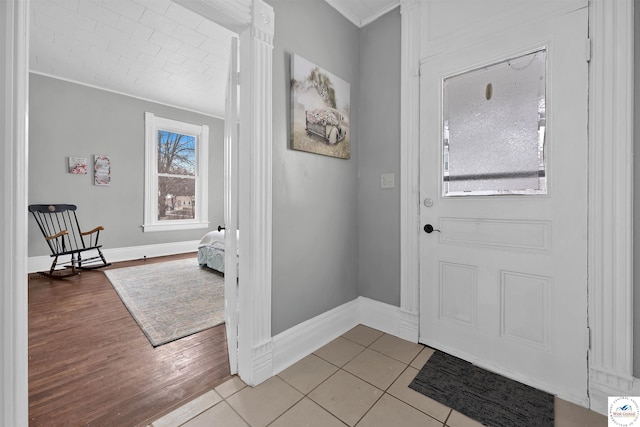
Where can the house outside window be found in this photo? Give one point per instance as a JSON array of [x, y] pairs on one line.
[[176, 174]]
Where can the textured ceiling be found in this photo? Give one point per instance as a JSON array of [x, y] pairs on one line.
[[151, 49]]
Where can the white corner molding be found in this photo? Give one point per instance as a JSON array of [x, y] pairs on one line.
[[388, 8], [610, 200], [381, 316], [344, 11], [14, 95], [409, 169], [340, 6], [255, 216]]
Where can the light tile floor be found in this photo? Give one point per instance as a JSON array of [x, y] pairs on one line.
[[359, 379]]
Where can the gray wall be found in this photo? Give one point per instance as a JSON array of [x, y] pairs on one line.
[[315, 198], [67, 119], [379, 130], [335, 232]]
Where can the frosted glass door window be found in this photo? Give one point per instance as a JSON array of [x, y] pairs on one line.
[[494, 129]]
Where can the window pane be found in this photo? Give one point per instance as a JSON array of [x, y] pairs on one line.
[[176, 153], [494, 126], [176, 198]]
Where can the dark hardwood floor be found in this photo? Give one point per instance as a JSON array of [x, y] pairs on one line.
[[91, 364]]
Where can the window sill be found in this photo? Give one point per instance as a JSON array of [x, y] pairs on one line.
[[172, 226]]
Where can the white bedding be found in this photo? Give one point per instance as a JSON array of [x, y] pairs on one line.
[[215, 239], [211, 250]]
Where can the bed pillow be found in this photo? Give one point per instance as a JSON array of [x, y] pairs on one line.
[[212, 237]]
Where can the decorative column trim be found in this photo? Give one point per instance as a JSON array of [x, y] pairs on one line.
[[255, 348], [409, 169], [610, 200], [14, 30]]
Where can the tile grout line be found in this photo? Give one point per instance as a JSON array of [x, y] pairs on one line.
[[339, 368], [385, 391]]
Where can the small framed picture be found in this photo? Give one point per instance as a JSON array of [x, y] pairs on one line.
[[102, 170], [78, 165]]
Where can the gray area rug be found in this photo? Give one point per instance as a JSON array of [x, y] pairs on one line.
[[170, 300], [484, 396]]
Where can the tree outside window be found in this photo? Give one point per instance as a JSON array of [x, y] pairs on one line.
[[176, 176], [176, 163]]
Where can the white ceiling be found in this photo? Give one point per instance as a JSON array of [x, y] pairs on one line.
[[151, 49]]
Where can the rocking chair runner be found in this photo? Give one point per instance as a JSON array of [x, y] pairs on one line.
[[61, 230]]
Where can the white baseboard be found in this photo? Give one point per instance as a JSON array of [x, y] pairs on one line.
[[43, 263], [301, 340], [378, 315], [599, 400], [262, 356], [603, 384]]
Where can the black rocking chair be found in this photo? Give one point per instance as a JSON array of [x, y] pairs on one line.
[[62, 232]]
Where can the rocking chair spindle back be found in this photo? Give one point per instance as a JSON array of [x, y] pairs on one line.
[[61, 230]]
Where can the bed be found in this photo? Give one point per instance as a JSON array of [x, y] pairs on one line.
[[211, 250]]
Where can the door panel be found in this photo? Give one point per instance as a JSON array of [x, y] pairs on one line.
[[231, 208], [529, 235], [526, 309], [503, 277]]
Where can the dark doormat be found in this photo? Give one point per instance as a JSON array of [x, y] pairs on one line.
[[484, 396]]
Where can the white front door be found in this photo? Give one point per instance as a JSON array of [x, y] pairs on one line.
[[503, 276]]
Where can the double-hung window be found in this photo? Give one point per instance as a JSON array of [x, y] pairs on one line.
[[176, 174]]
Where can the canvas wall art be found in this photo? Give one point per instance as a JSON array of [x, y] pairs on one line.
[[320, 107], [102, 170], [77, 165]]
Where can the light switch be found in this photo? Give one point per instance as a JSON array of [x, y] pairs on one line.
[[387, 180]]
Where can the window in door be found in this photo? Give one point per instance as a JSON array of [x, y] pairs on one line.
[[176, 156], [494, 122]]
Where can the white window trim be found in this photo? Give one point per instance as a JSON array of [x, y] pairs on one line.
[[152, 125]]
